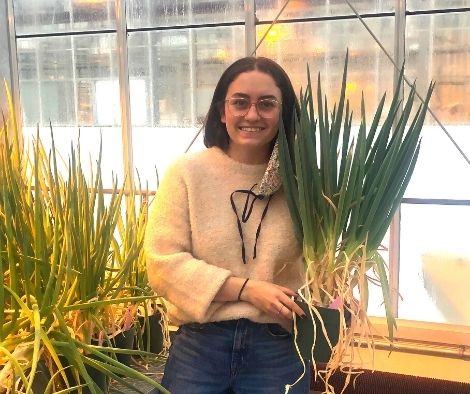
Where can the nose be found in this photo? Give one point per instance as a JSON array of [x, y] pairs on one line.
[[252, 112]]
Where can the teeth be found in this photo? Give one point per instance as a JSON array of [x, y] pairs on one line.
[[250, 129]]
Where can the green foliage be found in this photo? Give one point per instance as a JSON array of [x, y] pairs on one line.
[[343, 188], [71, 265]]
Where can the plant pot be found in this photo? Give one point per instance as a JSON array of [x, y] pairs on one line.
[[125, 340], [40, 380], [306, 330], [151, 335], [98, 377]]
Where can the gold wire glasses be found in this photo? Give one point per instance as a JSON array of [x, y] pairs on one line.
[[266, 107]]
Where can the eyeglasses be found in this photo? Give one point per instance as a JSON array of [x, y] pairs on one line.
[[266, 107]]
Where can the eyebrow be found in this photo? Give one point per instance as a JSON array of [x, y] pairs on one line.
[[266, 96]]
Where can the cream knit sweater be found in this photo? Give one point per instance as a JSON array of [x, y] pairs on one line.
[[193, 243]]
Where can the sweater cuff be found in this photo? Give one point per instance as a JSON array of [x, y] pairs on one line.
[[200, 297]]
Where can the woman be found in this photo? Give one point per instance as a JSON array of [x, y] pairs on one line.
[[225, 255]]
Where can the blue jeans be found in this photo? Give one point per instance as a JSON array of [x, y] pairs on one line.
[[236, 356]]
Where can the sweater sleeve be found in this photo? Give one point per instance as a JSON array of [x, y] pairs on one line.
[[174, 273]]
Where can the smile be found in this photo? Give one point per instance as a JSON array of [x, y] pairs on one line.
[[251, 129]]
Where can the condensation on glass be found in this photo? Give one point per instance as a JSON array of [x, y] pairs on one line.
[[173, 74], [179, 70], [46, 80], [5, 71], [437, 49], [269, 9], [151, 13], [71, 83], [425, 5], [435, 252], [58, 16], [69, 80], [322, 45]]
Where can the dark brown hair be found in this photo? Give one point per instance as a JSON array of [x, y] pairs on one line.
[[215, 132]]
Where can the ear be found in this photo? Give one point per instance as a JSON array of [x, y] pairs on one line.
[[222, 112]]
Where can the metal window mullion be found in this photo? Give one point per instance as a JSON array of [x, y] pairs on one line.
[[432, 26], [192, 53], [235, 43], [124, 92], [150, 120], [394, 247], [327, 71], [250, 28], [14, 73], [37, 50], [75, 80]]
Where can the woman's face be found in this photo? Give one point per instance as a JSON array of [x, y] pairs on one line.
[[251, 135]]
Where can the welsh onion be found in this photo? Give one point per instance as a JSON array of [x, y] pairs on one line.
[[57, 239], [342, 191]]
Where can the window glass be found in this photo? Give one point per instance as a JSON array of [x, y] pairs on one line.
[[151, 13], [268, 9], [422, 5], [73, 71], [93, 14], [95, 57], [435, 263], [47, 64], [30, 101], [173, 74], [57, 102], [323, 46], [90, 139], [440, 168], [5, 72], [54, 16], [71, 83], [55, 58], [437, 49], [28, 61]]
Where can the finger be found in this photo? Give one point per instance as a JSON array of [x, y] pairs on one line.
[[284, 312], [293, 307], [287, 291], [298, 310]]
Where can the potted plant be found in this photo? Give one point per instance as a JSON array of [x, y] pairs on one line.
[[48, 315], [145, 318], [343, 188]]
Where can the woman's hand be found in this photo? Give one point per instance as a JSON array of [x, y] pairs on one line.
[[271, 298]]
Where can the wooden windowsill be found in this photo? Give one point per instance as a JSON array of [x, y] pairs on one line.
[[426, 333]]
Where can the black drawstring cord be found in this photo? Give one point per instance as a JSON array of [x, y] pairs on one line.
[[246, 215], [259, 225], [240, 231], [248, 208]]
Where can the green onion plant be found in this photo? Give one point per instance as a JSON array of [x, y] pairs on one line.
[[66, 263], [343, 188]]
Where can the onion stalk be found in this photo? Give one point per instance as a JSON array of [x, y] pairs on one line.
[[343, 189]]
